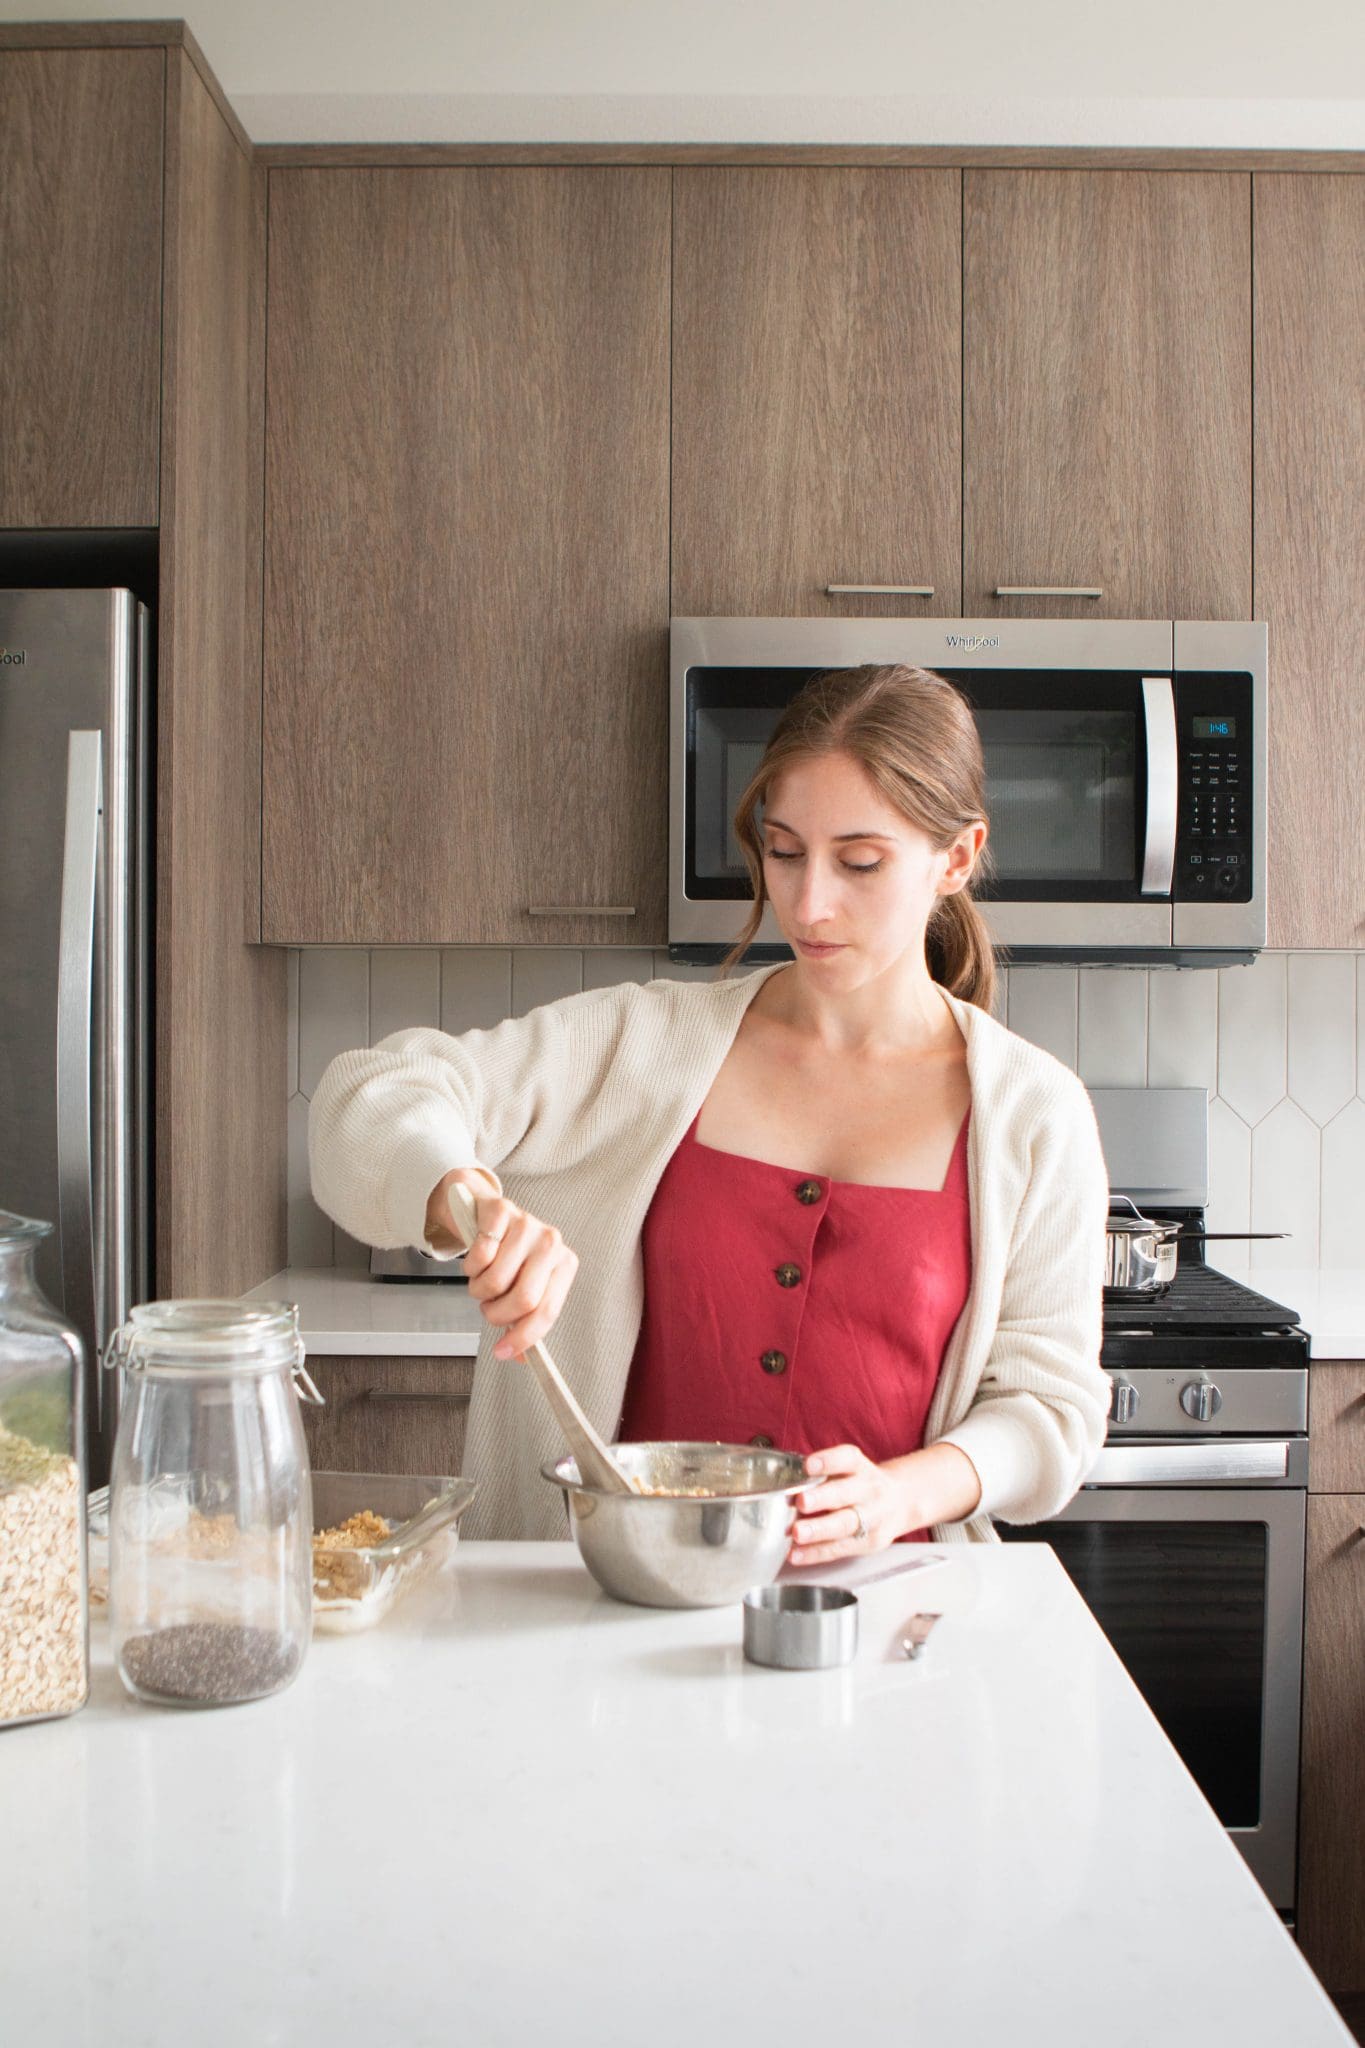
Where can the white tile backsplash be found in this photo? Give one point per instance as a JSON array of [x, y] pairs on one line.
[[1182, 1030], [1042, 1007], [1286, 1186], [542, 974], [1229, 1172], [1251, 1036], [1321, 1051], [1280, 1046], [334, 1008], [1343, 1188], [1111, 1029], [476, 987], [405, 989]]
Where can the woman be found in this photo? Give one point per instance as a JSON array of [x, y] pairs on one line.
[[833, 1204]]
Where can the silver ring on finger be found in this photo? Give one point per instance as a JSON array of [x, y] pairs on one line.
[[860, 1529]]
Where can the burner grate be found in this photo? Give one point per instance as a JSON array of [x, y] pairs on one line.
[[1200, 1297]]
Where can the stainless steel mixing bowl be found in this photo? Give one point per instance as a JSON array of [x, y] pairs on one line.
[[671, 1551]]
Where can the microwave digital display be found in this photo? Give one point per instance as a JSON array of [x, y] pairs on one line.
[[1214, 728]]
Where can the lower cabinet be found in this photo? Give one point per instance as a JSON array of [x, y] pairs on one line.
[[389, 1414], [1331, 1913]]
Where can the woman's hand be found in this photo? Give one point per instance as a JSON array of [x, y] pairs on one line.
[[520, 1270], [864, 1507]]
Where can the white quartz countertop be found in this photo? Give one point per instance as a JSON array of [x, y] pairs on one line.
[[343, 1311], [518, 1812], [1328, 1300]]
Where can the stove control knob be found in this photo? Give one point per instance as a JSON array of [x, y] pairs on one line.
[[1201, 1399], [1123, 1403]]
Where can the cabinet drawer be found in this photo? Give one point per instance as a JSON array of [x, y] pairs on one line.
[[389, 1414], [1336, 1427], [1331, 1917]]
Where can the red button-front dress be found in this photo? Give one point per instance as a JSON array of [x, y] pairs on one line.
[[790, 1309]]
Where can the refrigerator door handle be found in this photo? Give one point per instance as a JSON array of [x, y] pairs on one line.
[[75, 997]]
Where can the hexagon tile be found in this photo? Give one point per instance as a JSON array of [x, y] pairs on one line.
[[1251, 1036], [1322, 1032], [1343, 1188], [1286, 1154]]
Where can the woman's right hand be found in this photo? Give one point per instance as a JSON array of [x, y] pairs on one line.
[[520, 1270]]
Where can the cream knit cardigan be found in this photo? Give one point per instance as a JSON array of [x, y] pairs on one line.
[[581, 1105]]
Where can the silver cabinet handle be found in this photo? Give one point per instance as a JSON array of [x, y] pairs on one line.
[[1163, 764], [75, 994], [403, 1394], [580, 910], [1048, 590], [879, 590]]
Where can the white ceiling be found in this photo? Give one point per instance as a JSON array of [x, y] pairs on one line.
[[1202, 73]]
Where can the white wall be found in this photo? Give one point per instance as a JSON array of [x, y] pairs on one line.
[[1202, 73]]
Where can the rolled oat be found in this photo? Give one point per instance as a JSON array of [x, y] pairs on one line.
[[43, 1661]]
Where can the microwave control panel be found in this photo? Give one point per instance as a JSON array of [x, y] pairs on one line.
[[1214, 810]]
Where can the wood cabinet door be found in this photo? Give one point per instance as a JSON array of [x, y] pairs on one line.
[[1310, 547], [80, 286], [1336, 1426], [403, 1414], [816, 390], [466, 589], [1331, 1916], [1107, 393]]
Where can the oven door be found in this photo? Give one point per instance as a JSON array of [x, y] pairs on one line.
[[1200, 1591]]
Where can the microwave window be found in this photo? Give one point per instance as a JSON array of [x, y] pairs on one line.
[[729, 743], [1061, 791]]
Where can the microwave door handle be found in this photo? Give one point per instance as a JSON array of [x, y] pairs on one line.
[[75, 992], [1163, 765]]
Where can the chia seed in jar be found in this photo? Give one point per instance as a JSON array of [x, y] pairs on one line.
[[210, 1663]]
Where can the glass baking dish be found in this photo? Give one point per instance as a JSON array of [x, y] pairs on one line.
[[353, 1586]]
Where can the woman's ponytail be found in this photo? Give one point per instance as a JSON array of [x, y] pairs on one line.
[[959, 952]]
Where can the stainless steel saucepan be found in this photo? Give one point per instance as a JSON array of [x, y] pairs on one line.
[[1141, 1253]]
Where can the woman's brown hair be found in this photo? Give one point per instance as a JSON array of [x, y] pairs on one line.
[[915, 736]]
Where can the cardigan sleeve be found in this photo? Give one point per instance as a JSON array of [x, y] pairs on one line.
[[1038, 1419], [388, 1122]]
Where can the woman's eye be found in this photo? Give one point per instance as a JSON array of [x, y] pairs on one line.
[[868, 867], [774, 853]]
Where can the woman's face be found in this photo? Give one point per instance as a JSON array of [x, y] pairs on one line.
[[852, 883]]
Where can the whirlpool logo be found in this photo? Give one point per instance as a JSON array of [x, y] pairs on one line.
[[969, 642], [13, 657]]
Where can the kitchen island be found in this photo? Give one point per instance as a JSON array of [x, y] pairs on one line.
[[516, 1811]]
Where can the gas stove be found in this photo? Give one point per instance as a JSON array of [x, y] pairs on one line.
[[1210, 1357]]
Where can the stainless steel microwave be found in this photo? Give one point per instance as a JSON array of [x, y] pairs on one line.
[[1125, 775]]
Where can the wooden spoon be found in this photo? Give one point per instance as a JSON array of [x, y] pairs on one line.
[[596, 1465]]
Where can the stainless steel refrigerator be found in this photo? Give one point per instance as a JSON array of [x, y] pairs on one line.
[[75, 933]]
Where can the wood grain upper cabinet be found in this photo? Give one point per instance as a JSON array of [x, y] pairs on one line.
[[1107, 393], [465, 692], [1310, 546], [80, 286], [816, 390]]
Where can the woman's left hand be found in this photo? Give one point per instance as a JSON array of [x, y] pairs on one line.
[[861, 1508]]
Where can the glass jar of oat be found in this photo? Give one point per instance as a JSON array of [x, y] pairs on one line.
[[44, 1660], [210, 1512]]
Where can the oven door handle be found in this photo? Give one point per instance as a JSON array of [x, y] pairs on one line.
[[1163, 769], [1202, 1462]]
